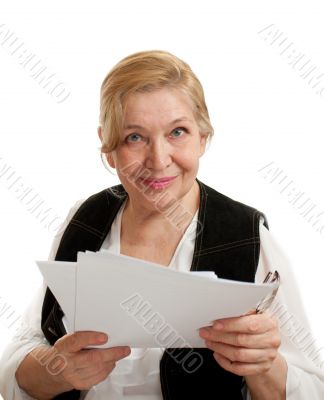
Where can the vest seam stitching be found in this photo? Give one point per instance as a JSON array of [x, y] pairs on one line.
[[209, 251], [88, 228], [256, 214], [225, 245], [204, 196]]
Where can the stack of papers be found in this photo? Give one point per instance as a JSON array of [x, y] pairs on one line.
[[142, 304]]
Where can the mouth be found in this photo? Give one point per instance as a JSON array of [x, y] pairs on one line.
[[158, 183]]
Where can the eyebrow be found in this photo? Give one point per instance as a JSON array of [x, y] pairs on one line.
[[135, 126]]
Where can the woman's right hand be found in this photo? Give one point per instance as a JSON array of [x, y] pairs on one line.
[[50, 370], [84, 368]]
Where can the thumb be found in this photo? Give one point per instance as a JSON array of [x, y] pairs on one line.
[[74, 342]]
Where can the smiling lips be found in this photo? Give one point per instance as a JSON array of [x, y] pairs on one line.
[[158, 183]]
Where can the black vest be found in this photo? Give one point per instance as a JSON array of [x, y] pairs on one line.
[[227, 242]]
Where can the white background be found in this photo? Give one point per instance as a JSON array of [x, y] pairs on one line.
[[262, 112]]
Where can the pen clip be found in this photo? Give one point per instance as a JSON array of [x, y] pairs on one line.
[[265, 303]]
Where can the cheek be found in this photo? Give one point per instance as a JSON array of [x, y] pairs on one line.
[[188, 158], [128, 166], [124, 158]]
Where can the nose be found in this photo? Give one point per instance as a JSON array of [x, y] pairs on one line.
[[158, 156]]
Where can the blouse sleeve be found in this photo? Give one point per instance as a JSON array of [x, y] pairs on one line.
[[305, 378], [28, 334]]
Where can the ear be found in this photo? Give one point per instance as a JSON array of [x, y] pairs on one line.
[[203, 141], [111, 161], [109, 156], [100, 133]]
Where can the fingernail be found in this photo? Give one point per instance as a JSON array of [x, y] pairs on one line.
[[102, 338], [218, 326], [127, 351], [203, 332]]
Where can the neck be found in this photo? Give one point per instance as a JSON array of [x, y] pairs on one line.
[[176, 217]]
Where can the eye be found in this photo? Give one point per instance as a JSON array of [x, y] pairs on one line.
[[133, 138], [178, 132]]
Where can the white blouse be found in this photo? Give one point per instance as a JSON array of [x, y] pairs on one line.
[[136, 377]]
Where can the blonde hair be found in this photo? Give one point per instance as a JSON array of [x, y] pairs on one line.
[[144, 72]]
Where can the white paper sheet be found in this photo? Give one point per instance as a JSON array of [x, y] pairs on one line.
[[60, 277], [141, 304]]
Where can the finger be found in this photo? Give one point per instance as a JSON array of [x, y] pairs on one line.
[[76, 341], [93, 369], [95, 380], [239, 339], [241, 354], [85, 379], [256, 323], [98, 356], [115, 353], [250, 312], [242, 369]]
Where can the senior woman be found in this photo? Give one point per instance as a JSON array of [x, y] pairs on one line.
[[154, 126]]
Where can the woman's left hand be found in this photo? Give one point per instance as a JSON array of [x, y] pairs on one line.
[[246, 345]]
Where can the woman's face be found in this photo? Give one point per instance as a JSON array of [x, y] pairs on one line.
[[159, 149]]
